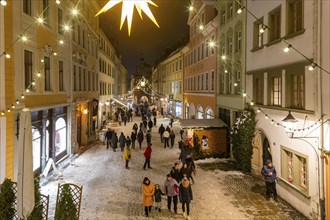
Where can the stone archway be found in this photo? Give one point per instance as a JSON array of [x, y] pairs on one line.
[[261, 150]]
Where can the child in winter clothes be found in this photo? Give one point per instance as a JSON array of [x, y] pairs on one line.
[[158, 197]]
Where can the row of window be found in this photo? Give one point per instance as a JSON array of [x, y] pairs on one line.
[[106, 88], [200, 113], [228, 11], [201, 82], [29, 74], [173, 66], [106, 68], [84, 80], [232, 42], [294, 87], [80, 36], [294, 23], [200, 52], [103, 45], [230, 80]]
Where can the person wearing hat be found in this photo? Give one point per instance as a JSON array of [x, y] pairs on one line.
[[147, 155], [185, 195], [269, 172]]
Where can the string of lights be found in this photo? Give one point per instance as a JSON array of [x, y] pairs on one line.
[[24, 39]]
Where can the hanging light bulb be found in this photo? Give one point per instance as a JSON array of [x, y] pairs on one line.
[[40, 20], [74, 11], [2, 113], [42, 60], [61, 42], [239, 11], [12, 106], [24, 38], [223, 57], [244, 94], [251, 103], [17, 102], [27, 90], [287, 48], [7, 55], [266, 116], [226, 71], [272, 122], [235, 84], [38, 74], [58, 2], [66, 27], [258, 111], [312, 66], [22, 96], [262, 29], [55, 54], [3, 2], [201, 27], [191, 8], [33, 83], [8, 109]]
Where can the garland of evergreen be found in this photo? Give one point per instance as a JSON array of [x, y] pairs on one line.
[[241, 139], [65, 208], [36, 214], [7, 200]]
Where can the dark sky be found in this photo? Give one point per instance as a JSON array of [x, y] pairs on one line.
[[146, 38]]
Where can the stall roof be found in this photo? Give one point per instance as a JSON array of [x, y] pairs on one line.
[[202, 123]]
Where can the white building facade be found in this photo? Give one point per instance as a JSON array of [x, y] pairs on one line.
[[280, 81]]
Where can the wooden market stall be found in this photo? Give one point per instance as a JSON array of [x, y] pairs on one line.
[[211, 133]]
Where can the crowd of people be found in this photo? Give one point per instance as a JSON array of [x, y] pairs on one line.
[[177, 186]]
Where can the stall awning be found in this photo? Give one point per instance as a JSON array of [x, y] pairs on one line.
[[201, 123]]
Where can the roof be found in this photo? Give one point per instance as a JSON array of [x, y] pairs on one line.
[[202, 123]]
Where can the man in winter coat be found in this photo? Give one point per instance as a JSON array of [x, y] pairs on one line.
[[161, 131], [148, 191], [269, 172], [185, 196], [122, 141], [147, 155], [127, 156], [148, 137], [140, 137], [166, 136], [172, 137], [128, 141], [175, 172], [114, 141], [108, 136], [133, 138], [171, 187], [150, 124]]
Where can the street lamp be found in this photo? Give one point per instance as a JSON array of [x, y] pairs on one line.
[[289, 122]]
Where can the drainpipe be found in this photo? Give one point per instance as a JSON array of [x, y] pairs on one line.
[[319, 72]]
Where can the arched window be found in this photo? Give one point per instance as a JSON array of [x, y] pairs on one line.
[[36, 146], [209, 113], [60, 136], [200, 114]]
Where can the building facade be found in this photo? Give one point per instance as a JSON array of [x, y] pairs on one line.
[[231, 61], [85, 76], [170, 73], [200, 62], [107, 76], [279, 81]]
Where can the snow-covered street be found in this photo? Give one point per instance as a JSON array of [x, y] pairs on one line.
[[112, 192]]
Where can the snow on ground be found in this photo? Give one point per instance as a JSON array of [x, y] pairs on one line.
[[112, 192]]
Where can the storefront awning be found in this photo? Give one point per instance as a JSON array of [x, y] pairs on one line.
[[201, 123]]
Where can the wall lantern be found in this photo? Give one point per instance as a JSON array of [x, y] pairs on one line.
[[289, 122]]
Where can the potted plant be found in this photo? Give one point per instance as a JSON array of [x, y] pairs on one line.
[[65, 207], [7, 200]]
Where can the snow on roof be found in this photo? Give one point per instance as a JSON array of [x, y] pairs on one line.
[[202, 123]]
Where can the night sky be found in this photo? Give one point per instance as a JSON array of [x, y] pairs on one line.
[[146, 38]]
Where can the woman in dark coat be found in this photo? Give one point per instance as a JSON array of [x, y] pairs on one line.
[[185, 195], [140, 137], [133, 138], [114, 139], [122, 141]]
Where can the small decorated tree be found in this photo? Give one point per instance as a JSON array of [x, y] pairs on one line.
[[7, 200], [65, 207], [241, 139]]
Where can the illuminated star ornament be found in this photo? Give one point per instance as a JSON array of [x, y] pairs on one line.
[[128, 10]]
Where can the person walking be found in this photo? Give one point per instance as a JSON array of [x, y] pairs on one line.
[[127, 156], [171, 187], [155, 121], [185, 196], [128, 142], [135, 128], [125, 119], [185, 153], [140, 137], [150, 124], [171, 122], [158, 198], [269, 172], [133, 138], [161, 131], [114, 141], [172, 137], [148, 137], [148, 191], [119, 119], [175, 172], [108, 137], [122, 141], [147, 155], [166, 136]]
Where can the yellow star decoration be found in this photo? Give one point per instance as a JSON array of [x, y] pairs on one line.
[[128, 10]]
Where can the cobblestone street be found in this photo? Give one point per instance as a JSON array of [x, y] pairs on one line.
[[112, 192]]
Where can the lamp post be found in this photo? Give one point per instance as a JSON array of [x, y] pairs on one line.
[[289, 122]]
